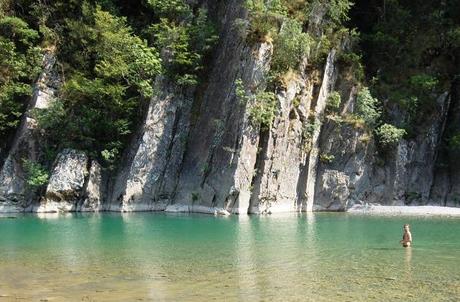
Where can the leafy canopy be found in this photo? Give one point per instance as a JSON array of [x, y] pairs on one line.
[[108, 80], [19, 66]]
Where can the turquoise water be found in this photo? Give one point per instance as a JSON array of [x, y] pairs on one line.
[[161, 257]]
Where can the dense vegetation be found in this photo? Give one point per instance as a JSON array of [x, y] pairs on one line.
[[407, 56], [296, 40], [109, 63], [111, 52], [19, 65], [411, 54], [287, 24]]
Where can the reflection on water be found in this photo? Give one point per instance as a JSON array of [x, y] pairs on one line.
[[159, 257], [408, 263]]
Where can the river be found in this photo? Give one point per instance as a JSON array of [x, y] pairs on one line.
[[167, 257]]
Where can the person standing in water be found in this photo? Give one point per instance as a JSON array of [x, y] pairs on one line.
[[407, 236]]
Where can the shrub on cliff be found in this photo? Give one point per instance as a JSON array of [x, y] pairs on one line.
[[291, 46], [36, 174], [388, 134], [184, 38], [333, 102], [367, 107], [263, 110], [453, 143]]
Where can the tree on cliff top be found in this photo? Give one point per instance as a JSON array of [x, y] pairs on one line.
[[19, 66], [109, 72]]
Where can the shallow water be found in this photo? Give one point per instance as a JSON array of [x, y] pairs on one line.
[[161, 257]]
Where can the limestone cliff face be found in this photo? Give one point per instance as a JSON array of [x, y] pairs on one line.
[[75, 185], [147, 180], [197, 150], [198, 161], [15, 194], [360, 174]]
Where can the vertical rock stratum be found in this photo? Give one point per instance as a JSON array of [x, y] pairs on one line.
[[197, 149]]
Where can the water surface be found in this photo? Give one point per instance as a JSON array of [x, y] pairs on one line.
[[161, 257]]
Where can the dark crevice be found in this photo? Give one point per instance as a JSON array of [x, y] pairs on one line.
[[439, 145], [84, 194], [259, 167], [214, 201], [207, 168]]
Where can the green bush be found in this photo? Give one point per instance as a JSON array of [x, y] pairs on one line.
[[338, 11], [388, 134], [453, 35], [367, 107], [36, 174], [354, 61], [326, 158], [309, 127], [290, 47], [263, 110], [184, 40], [262, 28], [265, 19], [170, 8], [18, 31], [240, 91], [454, 142], [333, 102], [423, 83], [263, 105], [284, 23]]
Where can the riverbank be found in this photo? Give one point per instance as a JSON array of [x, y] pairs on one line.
[[404, 210]]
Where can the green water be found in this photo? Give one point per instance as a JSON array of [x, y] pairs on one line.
[[160, 257]]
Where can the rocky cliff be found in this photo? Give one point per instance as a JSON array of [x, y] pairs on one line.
[[198, 151], [15, 194]]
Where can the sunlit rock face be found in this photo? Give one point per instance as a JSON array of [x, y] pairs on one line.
[[93, 191], [147, 179], [286, 169], [65, 187], [200, 161], [215, 160], [74, 185]]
